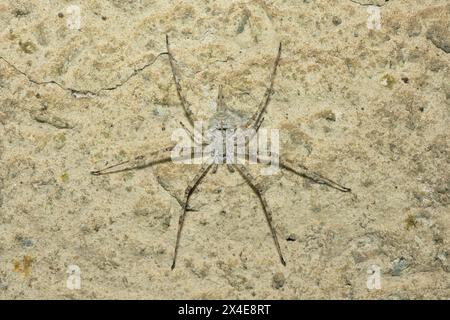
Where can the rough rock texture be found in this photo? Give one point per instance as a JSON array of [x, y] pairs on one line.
[[368, 108]]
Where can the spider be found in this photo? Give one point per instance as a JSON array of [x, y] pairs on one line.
[[223, 119]]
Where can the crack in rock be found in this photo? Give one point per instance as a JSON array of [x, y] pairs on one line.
[[172, 194], [81, 93], [371, 3]]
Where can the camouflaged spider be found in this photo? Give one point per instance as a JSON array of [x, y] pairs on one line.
[[223, 119]]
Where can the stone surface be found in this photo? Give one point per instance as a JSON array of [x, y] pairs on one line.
[[367, 108]]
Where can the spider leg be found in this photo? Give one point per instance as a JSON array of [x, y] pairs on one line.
[[304, 172], [194, 137], [137, 162], [184, 103], [189, 190], [214, 168], [260, 193], [256, 120], [230, 168]]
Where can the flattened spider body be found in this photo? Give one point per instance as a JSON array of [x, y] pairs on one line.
[[224, 120]]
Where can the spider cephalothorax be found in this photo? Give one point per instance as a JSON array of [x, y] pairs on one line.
[[226, 124], [224, 118]]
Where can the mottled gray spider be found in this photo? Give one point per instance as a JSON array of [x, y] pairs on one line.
[[224, 119]]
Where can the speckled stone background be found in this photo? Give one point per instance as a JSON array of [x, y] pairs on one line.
[[367, 108]]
